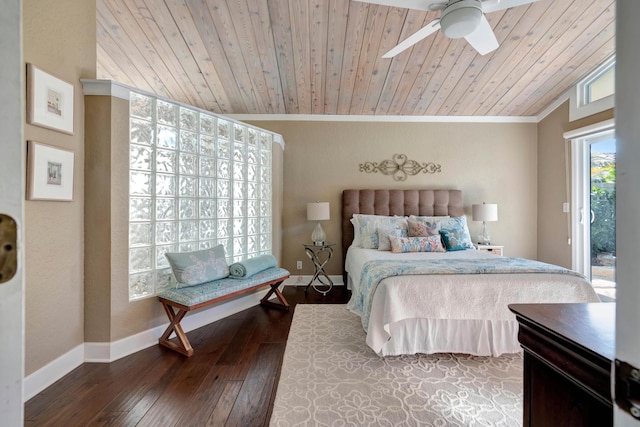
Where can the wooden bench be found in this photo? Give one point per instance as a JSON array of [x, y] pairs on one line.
[[179, 301]]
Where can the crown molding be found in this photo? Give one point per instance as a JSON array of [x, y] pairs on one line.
[[374, 118]]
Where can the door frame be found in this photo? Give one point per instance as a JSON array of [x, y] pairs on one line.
[[12, 173], [580, 191]]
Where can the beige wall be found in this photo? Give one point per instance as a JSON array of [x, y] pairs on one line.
[[490, 162], [553, 224], [59, 37]]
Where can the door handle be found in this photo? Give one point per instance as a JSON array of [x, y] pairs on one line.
[[8, 248]]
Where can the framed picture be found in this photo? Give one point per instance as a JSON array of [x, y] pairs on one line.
[[49, 172], [49, 101]]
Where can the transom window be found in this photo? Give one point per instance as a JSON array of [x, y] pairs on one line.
[[196, 180], [595, 93]]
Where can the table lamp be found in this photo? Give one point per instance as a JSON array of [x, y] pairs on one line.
[[485, 212], [318, 211]]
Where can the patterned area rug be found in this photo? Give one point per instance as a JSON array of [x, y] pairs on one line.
[[330, 377]]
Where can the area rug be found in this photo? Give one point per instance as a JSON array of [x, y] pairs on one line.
[[330, 377]]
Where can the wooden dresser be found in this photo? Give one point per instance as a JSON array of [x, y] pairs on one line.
[[568, 349]]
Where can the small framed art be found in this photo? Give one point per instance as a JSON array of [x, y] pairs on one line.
[[49, 101], [49, 172]]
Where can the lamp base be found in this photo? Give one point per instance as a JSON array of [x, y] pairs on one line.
[[484, 238], [318, 236]]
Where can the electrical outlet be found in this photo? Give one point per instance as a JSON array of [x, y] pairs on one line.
[[299, 265], [565, 207]]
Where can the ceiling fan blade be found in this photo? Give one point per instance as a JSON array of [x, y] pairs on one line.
[[482, 39], [406, 4], [414, 38], [489, 6]]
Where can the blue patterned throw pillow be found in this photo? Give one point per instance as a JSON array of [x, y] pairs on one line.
[[455, 234], [194, 268]]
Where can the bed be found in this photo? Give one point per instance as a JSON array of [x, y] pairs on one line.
[[453, 301]]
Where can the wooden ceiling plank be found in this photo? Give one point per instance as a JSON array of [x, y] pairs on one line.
[[132, 35], [261, 23], [336, 35], [318, 22], [381, 66], [115, 51], [283, 48], [358, 13], [202, 43], [459, 83], [429, 68], [418, 57], [299, 18], [555, 40], [588, 59], [158, 18], [369, 54], [404, 66], [562, 70], [495, 74], [217, 44], [108, 69], [248, 52], [134, 58], [555, 66], [452, 55], [149, 27]]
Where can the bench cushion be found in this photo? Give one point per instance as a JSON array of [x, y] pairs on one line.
[[197, 294]]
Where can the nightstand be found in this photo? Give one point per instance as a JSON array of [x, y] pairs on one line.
[[320, 255], [492, 249]]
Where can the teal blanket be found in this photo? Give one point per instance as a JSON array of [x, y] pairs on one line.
[[248, 268], [374, 272]]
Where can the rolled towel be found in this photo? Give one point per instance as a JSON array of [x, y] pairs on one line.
[[248, 268]]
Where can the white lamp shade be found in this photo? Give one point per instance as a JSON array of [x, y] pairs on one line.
[[318, 211], [485, 212]]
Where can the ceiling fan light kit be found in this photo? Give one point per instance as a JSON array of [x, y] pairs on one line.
[[461, 19], [458, 19]]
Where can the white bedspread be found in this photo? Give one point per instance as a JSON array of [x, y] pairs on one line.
[[454, 313]]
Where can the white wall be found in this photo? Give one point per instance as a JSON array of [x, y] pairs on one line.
[[627, 189]]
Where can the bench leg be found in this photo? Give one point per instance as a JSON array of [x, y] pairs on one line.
[[282, 305], [184, 346]]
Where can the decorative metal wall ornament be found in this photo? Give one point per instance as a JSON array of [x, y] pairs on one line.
[[399, 167]]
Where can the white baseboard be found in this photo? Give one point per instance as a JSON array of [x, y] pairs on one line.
[[52, 372], [105, 352], [303, 280]]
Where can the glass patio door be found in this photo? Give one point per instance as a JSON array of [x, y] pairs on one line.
[[602, 215]]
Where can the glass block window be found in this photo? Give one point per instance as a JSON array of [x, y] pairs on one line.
[[196, 180]]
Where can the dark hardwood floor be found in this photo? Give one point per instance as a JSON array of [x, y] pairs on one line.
[[231, 379]]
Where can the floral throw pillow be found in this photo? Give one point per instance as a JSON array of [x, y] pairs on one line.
[[194, 268], [384, 244], [416, 244], [423, 228]]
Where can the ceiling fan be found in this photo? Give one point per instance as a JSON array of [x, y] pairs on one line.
[[458, 18]]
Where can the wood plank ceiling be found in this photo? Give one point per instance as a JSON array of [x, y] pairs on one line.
[[324, 56]]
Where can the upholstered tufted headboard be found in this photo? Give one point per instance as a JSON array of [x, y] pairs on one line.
[[396, 202]]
